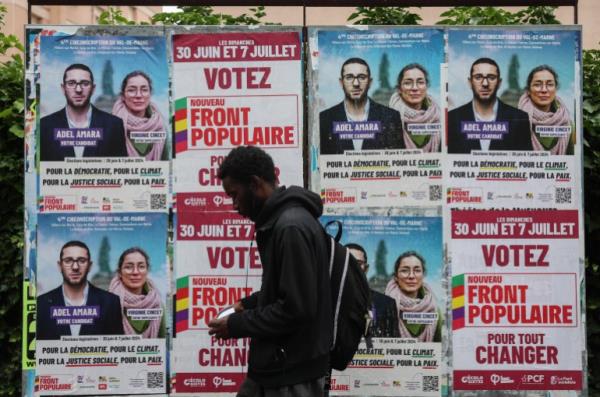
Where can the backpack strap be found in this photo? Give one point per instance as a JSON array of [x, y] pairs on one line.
[[338, 234], [341, 291]]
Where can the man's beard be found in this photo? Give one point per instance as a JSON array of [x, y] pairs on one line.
[[81, 282], [79, 107], [486, 101], [357, 101], [251, 206], [255, 205]]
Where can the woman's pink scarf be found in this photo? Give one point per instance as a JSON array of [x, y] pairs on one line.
[[130, 300], [134, 123], [415, 305], [539, 117], [412, 116]]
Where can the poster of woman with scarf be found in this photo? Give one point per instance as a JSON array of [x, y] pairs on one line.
[[403, 261]]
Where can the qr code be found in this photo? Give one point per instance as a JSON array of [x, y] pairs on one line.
[[431, 383], [158, 201], [563, 195], [435, 192], [155, 380]]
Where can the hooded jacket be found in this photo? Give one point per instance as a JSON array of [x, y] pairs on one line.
[[289, 320]]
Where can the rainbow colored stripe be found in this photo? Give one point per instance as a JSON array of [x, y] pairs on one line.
[[181, 127], [182, 305], [458, 302]]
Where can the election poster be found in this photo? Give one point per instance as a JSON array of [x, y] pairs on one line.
[[232, 89], [104, 138], [517, 277], [101, 321], [217, 264], [402, 259], [229, 89], [377, 105], [514, 127]]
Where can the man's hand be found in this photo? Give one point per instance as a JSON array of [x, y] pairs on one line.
[[218, 328], [238, 307]]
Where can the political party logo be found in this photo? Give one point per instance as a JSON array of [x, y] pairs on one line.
[[499, 379], [562, 380], [532, 379], [194, 382], [53, 383], [219, 381], [58, 203], [195, 201], [472, 379], [469, 195], [219, 200], [340, 383], [338, 196]]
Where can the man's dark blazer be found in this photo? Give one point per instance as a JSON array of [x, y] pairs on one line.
[[389, 138], [385, 316], [517, 138], [108, 323], [112, 144]]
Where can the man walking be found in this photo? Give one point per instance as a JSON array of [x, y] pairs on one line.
[[289, 320]]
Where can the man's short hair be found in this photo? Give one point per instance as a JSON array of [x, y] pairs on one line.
[[79, 66], [489, 61], [355, 60], [357, 247], [245, 161], [75, 243]]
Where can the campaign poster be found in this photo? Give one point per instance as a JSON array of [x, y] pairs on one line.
[[232, 89], [377, 108], [102, 284], [514, 127], [217, 264], [104, 138], [402, 259], [517, 277]]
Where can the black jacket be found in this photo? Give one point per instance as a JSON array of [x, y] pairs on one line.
[[385, 316], [517, 138], [390, 136], [289, 319], [111, 145], [108, 323]]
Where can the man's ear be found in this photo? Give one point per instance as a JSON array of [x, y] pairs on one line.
[[255, 183]]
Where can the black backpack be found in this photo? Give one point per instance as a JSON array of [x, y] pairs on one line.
[[351, 301]]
